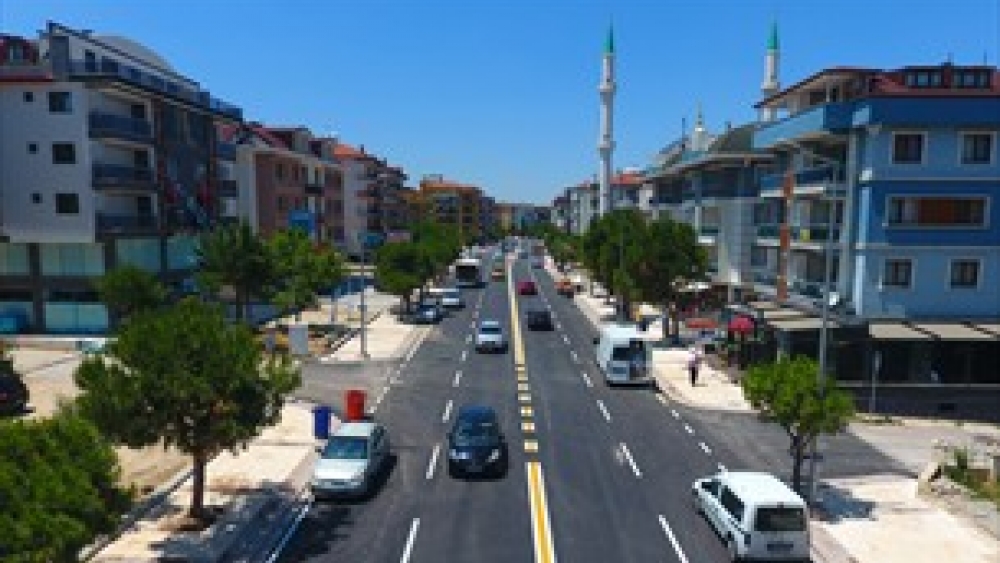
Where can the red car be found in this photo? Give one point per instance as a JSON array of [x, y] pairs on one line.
[[526, 288]]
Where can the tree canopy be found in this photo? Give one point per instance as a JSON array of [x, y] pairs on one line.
[[402, 267], [58, 488], [128, 289], [184, 377], [235, 256], [789, 392], [300, 269]]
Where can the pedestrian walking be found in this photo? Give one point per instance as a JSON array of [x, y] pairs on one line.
[[694, 363]]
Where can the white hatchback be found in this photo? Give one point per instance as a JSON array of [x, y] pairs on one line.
[[350, 460]]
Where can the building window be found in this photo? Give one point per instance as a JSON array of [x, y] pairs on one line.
[[63, 153], [977, 148], [32, 148], [898, 273], [279, 171], [971, 79], [281, 203], [964, 274], [67, 204], [60, 102], [758, 257], [907, 148], [29, 97], [36, 197], [924, 79], [936, 212]]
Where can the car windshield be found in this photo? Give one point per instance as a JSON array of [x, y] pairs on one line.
[[489, 329], [476, 433], [451, 293], [342, 447], [780, 519]]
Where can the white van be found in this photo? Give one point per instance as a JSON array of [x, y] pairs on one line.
[[755, 514], [624, 355]]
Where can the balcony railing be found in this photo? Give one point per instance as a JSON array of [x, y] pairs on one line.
[[709, 230], [314, 188], [148, 81], [765, 277], [813, 289], [228, 188], [831, 117], [768, 231], [823, 176], [105, 125], [118, 223], [117, 176], [814, 233]]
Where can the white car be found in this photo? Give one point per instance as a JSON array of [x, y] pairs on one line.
[[451, 298], [490, 337], [756, 515], [350, 460]]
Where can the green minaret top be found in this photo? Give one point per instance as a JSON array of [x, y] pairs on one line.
[[609, 44], [772, 41]]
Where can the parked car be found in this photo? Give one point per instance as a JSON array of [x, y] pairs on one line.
[[490, 337], [476, 445], [527, 287], [13, 394], [539, 319], [756, 515], [429, 313], [451, 298], [498, 273], [351, 460]]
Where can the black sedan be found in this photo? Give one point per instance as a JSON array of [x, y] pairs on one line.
[[539, 319], [476, 446]]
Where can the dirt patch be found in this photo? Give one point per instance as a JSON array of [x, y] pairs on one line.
[[148, 468]]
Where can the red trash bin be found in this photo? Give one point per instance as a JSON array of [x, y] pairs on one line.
[[355, 405]]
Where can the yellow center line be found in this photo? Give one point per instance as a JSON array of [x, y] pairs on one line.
[[541, 528]]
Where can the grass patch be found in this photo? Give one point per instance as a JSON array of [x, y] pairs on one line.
[[960, 472]]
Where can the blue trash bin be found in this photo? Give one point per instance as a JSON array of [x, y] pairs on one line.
[[321, 422]]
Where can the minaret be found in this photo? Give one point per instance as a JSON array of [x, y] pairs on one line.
[[770, 85], [699, 138], [606, 144]]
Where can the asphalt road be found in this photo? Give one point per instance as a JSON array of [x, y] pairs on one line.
[[597, 474]]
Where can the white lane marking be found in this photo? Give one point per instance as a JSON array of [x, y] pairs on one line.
[[628, 457], [434, 461], [586, 379], [468, 339], [673, 541], [688, 429], [447, 412], [573, 353], [412, 537], [604, 410], [722, 468], [465, 354], [458, 377], [290, 532], [559, 326], [675, 413], [565, 339], [705, 448]]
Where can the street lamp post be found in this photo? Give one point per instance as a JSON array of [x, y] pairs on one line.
[[364, 274]]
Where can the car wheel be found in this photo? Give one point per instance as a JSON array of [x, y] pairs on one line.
[[734, 552]]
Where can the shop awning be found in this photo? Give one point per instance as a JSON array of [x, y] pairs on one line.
[[953, 331], [804, 323], [763, 305], [782, 314], [993, 328], [895, 331]]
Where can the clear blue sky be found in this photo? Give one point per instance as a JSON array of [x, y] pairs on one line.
[[503, 93]]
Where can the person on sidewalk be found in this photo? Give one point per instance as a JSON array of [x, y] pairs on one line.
[[694, 363]]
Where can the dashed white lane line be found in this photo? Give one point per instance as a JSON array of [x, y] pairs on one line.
[[631, 462], [410, 539], [675, 413], [434, 461], [705, 448], [465, 355], [688, 429], [586, 379], [447, 411], [673, 540], [290, 532], [565, 339], [722, 468], [604, 410], [458, 378], [573, 354]]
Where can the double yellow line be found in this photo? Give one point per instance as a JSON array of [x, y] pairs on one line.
[[541, 527]]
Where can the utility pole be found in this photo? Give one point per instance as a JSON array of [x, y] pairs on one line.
[[364, 288]]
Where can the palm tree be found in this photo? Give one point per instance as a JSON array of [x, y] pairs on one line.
[[234, 256]]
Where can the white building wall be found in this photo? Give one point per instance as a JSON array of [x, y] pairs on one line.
[[23, 175], [355, 208]]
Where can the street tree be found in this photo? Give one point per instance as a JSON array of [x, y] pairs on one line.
[[790, 393], [403, 267], [670, 258], [613, 243], [441, 242], [128, 289], [58, 488], [184, 377], [234, 256], [300, 269]]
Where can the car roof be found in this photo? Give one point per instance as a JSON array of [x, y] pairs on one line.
[[759, 488], [476, 413], [356, 429], [489, 323]]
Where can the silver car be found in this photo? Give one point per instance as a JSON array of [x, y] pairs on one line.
[[350, 460], [490, 337]]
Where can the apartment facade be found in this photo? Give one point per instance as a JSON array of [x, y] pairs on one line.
[[108, 156], [451, 203]]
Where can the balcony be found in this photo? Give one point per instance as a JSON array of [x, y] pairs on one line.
[[225, 151], [821, 120], [709, 231], [121, 177], [809, 288], [112, 70], [228, 188], [765, 277], [314, 188], [109, 126], [769, 231], [113, 223], [814, 233], [810, 180]]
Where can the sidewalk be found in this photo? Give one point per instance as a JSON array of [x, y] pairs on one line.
[[869, 519]]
